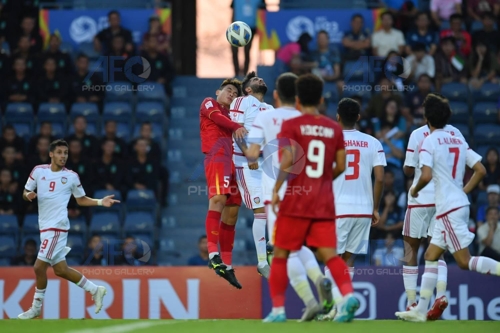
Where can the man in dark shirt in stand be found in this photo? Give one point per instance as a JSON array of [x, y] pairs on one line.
[[109, 171], [103, 40], [89, 142], [143, 170]]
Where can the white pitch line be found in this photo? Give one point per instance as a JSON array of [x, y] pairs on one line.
[[124, 327]]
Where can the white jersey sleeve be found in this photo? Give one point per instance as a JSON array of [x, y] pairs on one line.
[[256, 134], [379, 155], [426, 154], [76, 187], [471, 157], [31, 182], [411, 151], [238, 109]]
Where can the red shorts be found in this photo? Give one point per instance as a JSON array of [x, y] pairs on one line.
[[291, 233], [221, 178]]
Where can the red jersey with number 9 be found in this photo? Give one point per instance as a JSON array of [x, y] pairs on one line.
[[309, 192]]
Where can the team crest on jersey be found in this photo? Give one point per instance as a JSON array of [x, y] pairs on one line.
[[209, 105], [256, 200], [64, 180]]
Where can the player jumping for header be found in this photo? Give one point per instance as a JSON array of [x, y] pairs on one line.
[[55, 184]]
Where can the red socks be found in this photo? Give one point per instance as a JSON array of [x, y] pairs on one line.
[[212, 229], [278, 281], [226, 241], [340, 274]]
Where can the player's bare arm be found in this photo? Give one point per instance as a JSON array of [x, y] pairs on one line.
[[218, 118], [479, 173], [107, 201], [253, 152], [408, 171], [339, 167], [287, 154], [28, 195], [424, 179], [378, 189]]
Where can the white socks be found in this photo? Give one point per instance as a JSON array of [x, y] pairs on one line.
[[410, 277], [310, 263], [212, 254], [429, 280], [484, 265], [38, 298], [442, 279], [298, 280], [337, 296], [259, 237], [87, 285]]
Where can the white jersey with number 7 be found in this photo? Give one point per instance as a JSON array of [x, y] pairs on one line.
[[354, 189]]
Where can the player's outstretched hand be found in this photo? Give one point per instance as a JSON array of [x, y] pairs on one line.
[[240, 133], [30, 196], [413, 193], [253, 165], [276, 203], [375, 218], [108, 201]]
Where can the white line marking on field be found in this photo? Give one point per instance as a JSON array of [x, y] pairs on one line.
[[125, 327]]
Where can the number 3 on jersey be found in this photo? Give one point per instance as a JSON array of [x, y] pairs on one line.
[[353, 164], [315, 154]]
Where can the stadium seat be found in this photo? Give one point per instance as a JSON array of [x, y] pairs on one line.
[[30, 224], [119, 91], [157, 131], [52, 112], [19, 113], [354, 70], [464, 129], [105, 223], [122, 131], [78, 226], [357, 89], [66, 47], [87, 48], [141, 200], [89, 110], [139, 223], [485, 113], [487, 134], [157, 93], [35, 237], [153, 112], [9, 226], [73, 261], [455, 91], [460, 112], [77, 245], [58, 129], [5, 262], [23, 130], [7, 247], [482, 199], [489, 92], [104, 193], [117, 111], [91, 129], [483, 150]]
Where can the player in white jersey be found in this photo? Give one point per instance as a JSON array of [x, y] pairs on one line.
[[243, 110], [263, 134], [442, 159], [54, 185], [357, 198], [419, 223]]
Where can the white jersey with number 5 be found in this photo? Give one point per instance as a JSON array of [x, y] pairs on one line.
[[244, 110], [426, 195], [54, 190], [447, 156], [354, 189]]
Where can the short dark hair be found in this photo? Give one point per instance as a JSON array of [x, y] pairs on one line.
[[421, 13], [235, 82], [348, 111], [246, 81], [456, 16], [285, 87], [386, 13], [419, 47], [489, 15], [322, 32], [357, 15], [57, 143], [424, 75], [30, 242], [309, 89], [491, 208], [436, 110], [113, 12], [8, 127], [201, 238], [82, 55]]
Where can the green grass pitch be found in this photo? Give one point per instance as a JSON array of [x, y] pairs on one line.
[[241, 326]]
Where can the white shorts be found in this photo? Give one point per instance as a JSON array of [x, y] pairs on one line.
[[53, 246], [250, 186], [353, 234], [419, 221], [451, 231]]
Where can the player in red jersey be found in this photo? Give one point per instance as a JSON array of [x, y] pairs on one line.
[[216, 131], [311, 144]]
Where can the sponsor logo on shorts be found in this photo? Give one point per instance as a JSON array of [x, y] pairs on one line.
[[256, 200], [64, 180]]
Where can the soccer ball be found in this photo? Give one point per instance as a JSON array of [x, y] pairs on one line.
[[238, 34]]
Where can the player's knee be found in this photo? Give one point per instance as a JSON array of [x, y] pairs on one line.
[[39, 269], [60, 271], [463, 263]]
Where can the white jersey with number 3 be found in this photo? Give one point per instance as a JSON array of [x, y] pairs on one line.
[[54, 190], [426, 195], [354, 189], [447, 156]]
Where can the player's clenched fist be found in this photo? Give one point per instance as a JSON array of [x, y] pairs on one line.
[[108, 201], [240, 133], [30, 196]]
